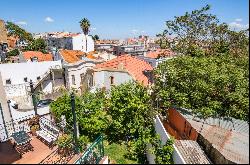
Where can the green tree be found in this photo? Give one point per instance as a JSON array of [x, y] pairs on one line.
[[132, 118], [209, 86], [164, 153], [95, 37], [90, 111], [14, 52], [37, 45], [200, 32], [16, 31], [85, 26]]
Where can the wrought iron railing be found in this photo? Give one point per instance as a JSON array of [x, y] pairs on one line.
[[94, 154]]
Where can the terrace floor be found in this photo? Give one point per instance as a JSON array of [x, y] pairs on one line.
[[8, 154]]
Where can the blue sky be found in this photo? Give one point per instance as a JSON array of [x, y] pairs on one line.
[[115, 18]]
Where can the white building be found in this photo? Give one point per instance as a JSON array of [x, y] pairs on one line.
[[120, 70], [16, 77], [71, 42], [75, 74]]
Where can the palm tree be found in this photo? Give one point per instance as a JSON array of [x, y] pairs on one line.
[[85, 25]]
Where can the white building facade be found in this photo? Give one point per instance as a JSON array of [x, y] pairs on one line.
[[15, 78], [107, 78], [72, 42]]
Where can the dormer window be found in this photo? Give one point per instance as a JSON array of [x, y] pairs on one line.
[[8, 81]]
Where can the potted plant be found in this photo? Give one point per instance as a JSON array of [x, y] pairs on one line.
[[34, 128], [34, 125], [64, 143], [34, 121]]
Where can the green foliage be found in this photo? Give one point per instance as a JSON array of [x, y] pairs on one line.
[[64, 141], [95, 37], [85, 25], [164, 154], [132, 117], [16, 31], [91, 115], [14, 52], [117, 153], [93, 119], [199, 32], [209, 86], [82, 142], [37, 45]]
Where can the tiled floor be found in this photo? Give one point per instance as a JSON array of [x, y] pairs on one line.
[[9, 155]]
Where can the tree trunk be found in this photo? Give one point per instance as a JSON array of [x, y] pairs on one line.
[[86, 43]]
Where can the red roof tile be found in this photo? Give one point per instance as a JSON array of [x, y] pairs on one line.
[[71, 56], [41, 57], [132, 65], [160, 53]]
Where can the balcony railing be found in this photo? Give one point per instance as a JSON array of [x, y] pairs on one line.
[[94, 154]]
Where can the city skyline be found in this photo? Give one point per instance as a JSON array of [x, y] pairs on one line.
[[116, 19]]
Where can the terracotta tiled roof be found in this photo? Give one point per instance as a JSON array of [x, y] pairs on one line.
[[160, 52], [132, 65], [71, 56], [41, 57], [90, 55]]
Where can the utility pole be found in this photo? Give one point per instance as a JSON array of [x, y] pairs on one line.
[[74, 121], [32, 90]]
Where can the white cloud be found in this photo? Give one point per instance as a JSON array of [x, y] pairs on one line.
[[48, 19], [143, 31], [238, 26], [238, 20], [93, 28], [21, 23]]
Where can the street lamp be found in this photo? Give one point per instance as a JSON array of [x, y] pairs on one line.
[[32, 90], [72, 96]]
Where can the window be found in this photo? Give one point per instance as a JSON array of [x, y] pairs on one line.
[[8, 81], [73, 79], [38, 78], [111, 80], [25, 79], [90, 80]]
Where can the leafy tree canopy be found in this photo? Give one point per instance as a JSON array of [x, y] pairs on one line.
[[209, 86], [95, 37], [85, 25], [37, 45], [14, 52], [90, 110], [199, 33], [16, 31], [132, 117]]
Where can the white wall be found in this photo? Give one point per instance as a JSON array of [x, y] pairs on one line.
[[159, 128], [79, 43], [18, 71], [76, 69], [102, 78]]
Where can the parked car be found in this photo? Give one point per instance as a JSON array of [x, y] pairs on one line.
[[43, 103], [13, 104]]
